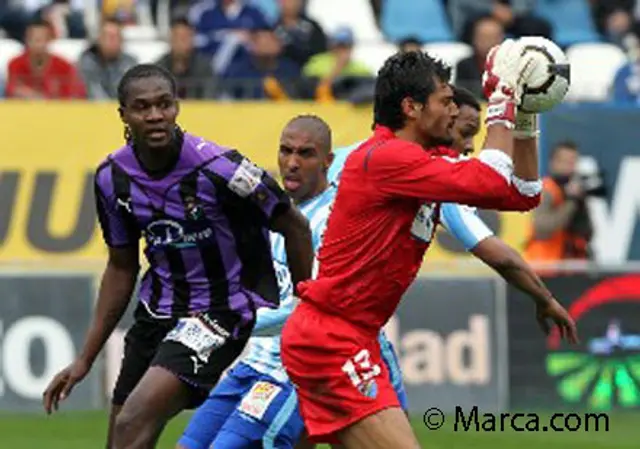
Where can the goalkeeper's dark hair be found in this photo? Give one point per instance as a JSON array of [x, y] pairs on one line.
[[142, 71], [403, 75], [464, 97]]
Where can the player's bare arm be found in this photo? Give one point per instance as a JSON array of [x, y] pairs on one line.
[[298, 244], [116, 287], [513, 268]]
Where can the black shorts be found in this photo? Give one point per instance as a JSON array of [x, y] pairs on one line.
[[196, 349]]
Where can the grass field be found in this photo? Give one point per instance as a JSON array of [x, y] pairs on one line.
[[86, 431]]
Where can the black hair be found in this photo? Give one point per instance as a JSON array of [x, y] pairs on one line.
[[142, 71], [320, 127], [409, 40], [137, 72], [564, 144], [405, 75], [38, 21], [181, 21], [464, 97]]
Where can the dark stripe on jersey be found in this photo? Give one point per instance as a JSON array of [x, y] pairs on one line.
[[252, 246], [156, 285], [210, 254], [181, 288], [122, 190], [370, 152]]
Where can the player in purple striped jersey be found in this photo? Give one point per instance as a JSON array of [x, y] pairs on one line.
[[205, 213]]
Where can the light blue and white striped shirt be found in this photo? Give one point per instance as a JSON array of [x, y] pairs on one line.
[[264, 351]]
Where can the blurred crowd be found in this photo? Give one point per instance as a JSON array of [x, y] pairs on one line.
[[233, 49]]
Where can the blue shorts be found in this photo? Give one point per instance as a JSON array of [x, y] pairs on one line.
[[247, 410], [391, 359]]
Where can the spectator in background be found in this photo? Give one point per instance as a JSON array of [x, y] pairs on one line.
[[613, 18], [487, 32], [192, 70], [224, 31], [266, 73], [626, 82], [37, 73], [516, 17], [301, 36], [410, 44], [66, 17], [338, 75], [561, 228], [104, 63]]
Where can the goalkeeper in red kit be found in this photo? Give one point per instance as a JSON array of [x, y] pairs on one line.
[[383, 219]]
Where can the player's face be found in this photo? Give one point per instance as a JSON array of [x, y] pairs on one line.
[[150, 112], [466, 126], [438, 117], [303, 163]]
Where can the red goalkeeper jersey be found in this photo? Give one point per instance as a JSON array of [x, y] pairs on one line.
[[384, 217]]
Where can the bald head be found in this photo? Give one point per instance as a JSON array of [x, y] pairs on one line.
[[315, 127]]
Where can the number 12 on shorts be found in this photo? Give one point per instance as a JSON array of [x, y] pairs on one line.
[[359, 368]]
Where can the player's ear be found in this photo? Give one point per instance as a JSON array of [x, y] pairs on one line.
[[328, 160], [411, 108]]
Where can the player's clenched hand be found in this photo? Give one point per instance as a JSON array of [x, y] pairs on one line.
[[62, 384], [552, 310]]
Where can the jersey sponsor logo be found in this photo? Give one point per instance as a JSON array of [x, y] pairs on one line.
[[195, 335], [256, 403], [246, 179], [171, 233], [423, 224]]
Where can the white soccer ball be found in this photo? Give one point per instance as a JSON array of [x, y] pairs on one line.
[[549, 83]]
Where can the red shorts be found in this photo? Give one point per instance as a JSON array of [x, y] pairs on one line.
[[337, 369]]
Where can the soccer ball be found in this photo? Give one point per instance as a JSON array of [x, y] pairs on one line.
[[548, 84]]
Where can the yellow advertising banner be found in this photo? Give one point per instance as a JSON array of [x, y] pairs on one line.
[[52, 149]]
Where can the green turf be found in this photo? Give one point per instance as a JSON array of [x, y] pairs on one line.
[[86, 431]]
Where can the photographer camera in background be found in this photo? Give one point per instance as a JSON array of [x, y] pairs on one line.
[[561, 228]]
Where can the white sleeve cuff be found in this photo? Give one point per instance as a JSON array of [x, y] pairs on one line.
[[499, 161], [527, 188]]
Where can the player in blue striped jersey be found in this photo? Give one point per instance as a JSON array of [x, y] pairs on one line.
[[255, 405]]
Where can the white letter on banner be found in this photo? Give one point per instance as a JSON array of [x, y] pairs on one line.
[[59, 351]]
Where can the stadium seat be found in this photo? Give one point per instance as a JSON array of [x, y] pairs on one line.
[[139, 33], [373, 55], [69, 49], [571, 21], [270, 8], [357, 14], [424, 19], [449, 52], [9, 49], [146, 51], [593, 67]]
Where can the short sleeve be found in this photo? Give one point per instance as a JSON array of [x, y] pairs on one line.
[[252, 184], [464, 224], [117, 228]]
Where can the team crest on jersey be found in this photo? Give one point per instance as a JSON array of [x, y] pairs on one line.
[[369, 388], [194, 210]]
